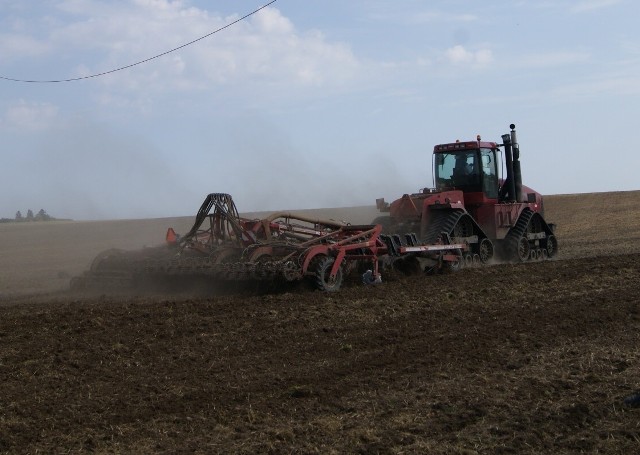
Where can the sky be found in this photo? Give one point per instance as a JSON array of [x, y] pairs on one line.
[[305, 104]]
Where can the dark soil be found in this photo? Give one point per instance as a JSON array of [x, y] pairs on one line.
[[533, 358]]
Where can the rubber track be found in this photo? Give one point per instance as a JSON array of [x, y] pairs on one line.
[[516, 232], [441, 221]]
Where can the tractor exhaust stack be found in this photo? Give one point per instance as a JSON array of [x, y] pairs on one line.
[[517, 172], [511, 190]]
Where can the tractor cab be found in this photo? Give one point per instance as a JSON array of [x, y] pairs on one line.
[[471, 167]]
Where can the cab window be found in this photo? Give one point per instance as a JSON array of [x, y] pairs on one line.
[[460, 170], [489, 172]]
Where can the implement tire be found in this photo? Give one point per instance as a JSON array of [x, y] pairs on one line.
[[322, 268]]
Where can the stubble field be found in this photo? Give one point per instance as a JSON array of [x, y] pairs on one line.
[[530, 358]]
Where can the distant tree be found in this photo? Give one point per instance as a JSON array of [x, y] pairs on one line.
[[42, 216], [19, 216], [29, 215]]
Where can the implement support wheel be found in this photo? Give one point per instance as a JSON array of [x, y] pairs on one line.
[[322, 270]]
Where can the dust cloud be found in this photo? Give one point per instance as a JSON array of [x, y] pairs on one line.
[[266, 169], [84, 171]]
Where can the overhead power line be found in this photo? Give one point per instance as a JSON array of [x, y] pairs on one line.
[[11, 79]]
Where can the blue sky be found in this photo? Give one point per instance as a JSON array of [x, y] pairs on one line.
[[306, 104]]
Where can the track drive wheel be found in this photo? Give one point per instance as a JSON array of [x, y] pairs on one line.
[[322, 270], [463, 228], [552, 246], [486, 250], [523, 250]]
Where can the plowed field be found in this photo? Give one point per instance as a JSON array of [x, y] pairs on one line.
[[529, 358]]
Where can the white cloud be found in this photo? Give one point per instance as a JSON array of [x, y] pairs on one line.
[[24, 116], [15, 45], [271, 21], [460, 55], [263, 50]]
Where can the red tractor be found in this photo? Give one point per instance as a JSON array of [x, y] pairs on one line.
[[472, 205]]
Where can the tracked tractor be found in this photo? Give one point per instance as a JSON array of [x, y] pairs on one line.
[[496, 218]]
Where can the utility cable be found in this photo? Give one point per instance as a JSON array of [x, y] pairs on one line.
[[11, 79]]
